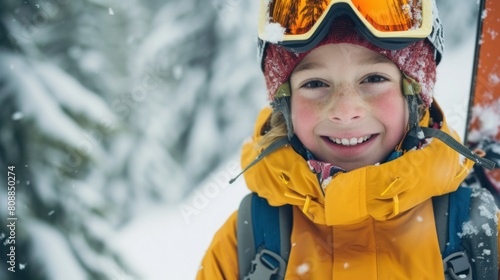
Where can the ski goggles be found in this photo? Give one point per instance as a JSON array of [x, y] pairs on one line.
[[389, 24]]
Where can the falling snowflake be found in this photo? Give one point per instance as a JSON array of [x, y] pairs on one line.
[[302, 269]]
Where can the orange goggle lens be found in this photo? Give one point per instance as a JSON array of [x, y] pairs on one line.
[[300, 16]]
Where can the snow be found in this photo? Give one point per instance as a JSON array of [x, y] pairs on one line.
[[91, 61], [303, 268], [484, 196], [493, 33], [484, 14], [60, 263], [167, 21], [488, 118], [42, 88], [493, 78], [167, 241], [468, 229], [273, 32], [487, 229], [483, 211]]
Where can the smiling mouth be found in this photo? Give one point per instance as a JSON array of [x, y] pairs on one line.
[[349, 141]]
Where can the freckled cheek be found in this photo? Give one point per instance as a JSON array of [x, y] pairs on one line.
[[393, 110], [304, 116]]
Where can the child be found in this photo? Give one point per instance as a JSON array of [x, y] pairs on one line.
[[353, 109]]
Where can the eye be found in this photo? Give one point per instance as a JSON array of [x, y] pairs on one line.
[[374, 79], [314, 84]]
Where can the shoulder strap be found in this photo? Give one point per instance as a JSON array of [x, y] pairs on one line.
[[458, 214], [457, 146], [244, 234], [451, 211], [467, 238], [263, 238], [440, 205], [480, 234]]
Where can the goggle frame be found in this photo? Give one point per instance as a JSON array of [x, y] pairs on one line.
[[393, 40]]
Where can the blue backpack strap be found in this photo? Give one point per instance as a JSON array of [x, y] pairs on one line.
[[468, 236], [458, 214], [456, 262], [263, 239]]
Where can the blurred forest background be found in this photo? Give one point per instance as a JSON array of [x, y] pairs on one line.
[[111, 106]]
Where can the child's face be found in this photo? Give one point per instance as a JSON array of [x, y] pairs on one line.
[[347, 105]]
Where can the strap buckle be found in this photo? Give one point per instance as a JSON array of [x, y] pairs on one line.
[[265, 264], [457, 266]]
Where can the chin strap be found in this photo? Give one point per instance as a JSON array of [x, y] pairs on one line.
[[281, 103], [416, 133]]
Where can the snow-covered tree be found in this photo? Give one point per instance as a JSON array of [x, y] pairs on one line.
[[61, 64], [108, 106]]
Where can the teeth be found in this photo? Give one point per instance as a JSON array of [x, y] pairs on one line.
[[349, 142]]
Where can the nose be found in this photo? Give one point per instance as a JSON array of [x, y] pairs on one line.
[[346, 107]]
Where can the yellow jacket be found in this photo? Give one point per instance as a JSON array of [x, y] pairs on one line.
[[375, 222]]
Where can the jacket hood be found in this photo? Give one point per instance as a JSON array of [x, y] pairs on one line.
[[379, 191]]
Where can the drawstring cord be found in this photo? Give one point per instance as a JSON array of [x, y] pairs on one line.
[[306, 199], [389, 187], [395, 209], [395, 199]]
